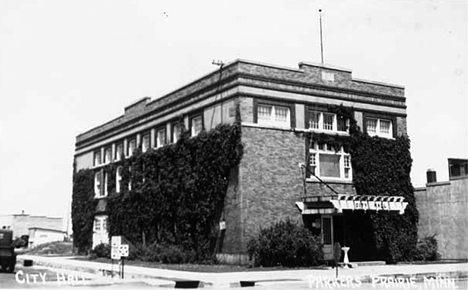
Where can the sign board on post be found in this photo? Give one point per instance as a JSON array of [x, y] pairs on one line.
[[123, 250], [115, 247]]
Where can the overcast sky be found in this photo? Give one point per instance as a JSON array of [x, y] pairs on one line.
[[68, 66]]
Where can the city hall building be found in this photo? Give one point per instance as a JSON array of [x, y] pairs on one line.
[[277, 106]]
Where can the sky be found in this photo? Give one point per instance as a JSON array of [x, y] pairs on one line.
[[69, 66]]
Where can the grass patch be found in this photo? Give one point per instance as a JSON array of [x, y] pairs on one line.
[[53, 248]]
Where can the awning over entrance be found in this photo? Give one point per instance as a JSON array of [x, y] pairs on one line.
[[340, 202]]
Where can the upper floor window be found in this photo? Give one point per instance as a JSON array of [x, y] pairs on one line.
[[324, 121], [118, 151], [196, 125], [100, 183], [97, 157], [273, 115], [118, 179], [379, 127], [160, 137], [131, 146], [176, 132], [107, 155], [145, 142], [325, 162]]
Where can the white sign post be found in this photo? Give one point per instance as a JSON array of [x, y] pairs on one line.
[[118, 252]]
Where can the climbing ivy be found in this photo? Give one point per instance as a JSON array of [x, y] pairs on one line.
[[171, 195], [381, 166], [83, 208]]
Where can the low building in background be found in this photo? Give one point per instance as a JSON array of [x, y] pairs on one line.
[[39, 236], [443, 210], [21, 223]]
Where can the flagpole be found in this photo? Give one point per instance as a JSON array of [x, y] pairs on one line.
[[321, 40]]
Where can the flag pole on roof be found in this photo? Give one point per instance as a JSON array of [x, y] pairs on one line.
[[321, 39]]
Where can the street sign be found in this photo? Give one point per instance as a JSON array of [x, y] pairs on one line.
[[115, 247], [123, 250]]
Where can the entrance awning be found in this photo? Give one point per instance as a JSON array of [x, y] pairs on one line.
[[340, 202]]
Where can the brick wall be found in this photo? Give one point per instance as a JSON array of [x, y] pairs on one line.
[[270, 180], [401, 126], [442, 211]]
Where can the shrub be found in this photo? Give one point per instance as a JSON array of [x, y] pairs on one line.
[[426, 249], [163, 253], [285, 244], [102, 251]]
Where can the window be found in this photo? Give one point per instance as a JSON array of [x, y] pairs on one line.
[[176, 131], [325, 162], [160, 138], [97, 157], [97, 184], [118, 179], [145, 142], [196, 124], [131, 146], [273, 115], [106, 176], [379, 127], [129, 185], [118, 151], [322, 121], [107, 155], [100, 224]]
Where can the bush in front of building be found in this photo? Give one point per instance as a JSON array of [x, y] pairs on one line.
[[285, 244], [102, 251], [161, 253], [426, 249]]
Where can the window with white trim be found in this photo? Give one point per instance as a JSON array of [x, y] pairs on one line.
[[327, 122], [107, 155], [106, 177], [129, 184], [97, 157], [145, 142], [131, 146], [325, 162], [100, 224], [379, 127], [196, 125], [118, 179], [118, 151], [160, 138], [97, 184], [273, 115]]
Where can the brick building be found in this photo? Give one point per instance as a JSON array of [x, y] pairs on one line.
[[276, 104], [443, 210]]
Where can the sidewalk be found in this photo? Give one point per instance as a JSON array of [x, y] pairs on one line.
[[233, 279]]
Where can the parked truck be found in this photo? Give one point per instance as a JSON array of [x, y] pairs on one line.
[[7, 251]]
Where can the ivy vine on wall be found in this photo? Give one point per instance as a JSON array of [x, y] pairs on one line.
[[171, 195], [83, 209], [381, 166]]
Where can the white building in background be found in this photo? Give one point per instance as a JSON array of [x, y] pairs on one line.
[[39, 236]]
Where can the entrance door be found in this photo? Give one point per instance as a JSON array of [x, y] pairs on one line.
[[327, 236]]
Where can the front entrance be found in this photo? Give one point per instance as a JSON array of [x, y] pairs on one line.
[[352, 230]]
